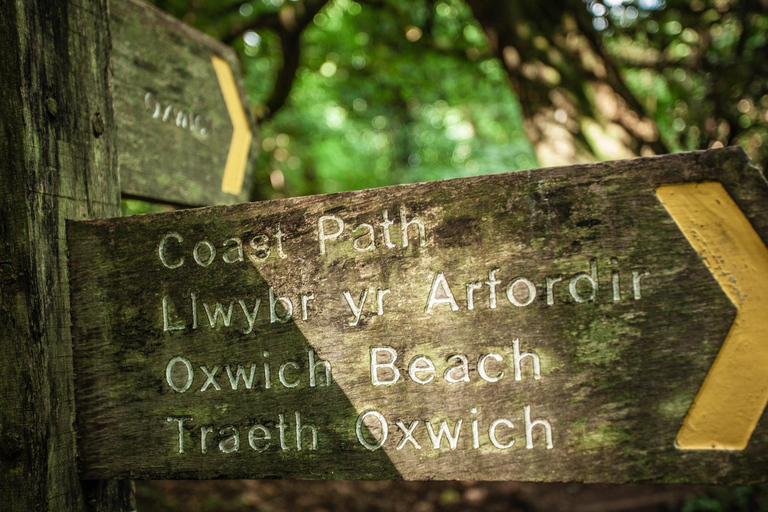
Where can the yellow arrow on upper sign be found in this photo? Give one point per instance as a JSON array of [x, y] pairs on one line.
[[234, 169], [735, 392]]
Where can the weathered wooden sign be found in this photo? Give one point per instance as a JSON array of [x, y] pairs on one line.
[[184, 135], [549, 325]]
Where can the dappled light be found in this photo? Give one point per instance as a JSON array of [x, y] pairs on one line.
[[653, 75]]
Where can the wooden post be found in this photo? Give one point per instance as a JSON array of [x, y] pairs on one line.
[[57, 162]]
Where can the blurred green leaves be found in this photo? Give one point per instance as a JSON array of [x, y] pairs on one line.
[[393, 93]]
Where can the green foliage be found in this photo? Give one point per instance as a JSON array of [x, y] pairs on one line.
[[699, 67], [136, 207], [386, 95], [394, 91]]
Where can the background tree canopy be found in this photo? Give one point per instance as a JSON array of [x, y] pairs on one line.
[[362, 94]]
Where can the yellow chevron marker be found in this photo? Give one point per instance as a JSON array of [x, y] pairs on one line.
[[735, 392], [234, 170]]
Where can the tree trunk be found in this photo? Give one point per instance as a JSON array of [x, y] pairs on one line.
[[576, 105]]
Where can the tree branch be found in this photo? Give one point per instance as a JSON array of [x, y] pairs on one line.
[[291, 49], [613, 77], [288, 23], [268, 21]]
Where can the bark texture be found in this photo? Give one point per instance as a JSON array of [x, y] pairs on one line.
[[57, 162]]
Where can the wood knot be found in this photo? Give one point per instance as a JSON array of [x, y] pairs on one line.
[[52, 107], [98, 125]]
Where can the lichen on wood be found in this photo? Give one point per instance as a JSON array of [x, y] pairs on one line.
[[548, 325]]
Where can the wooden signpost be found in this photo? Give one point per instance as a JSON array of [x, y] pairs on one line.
[[601, 323], [183, 135], [549, 325], [57, 162]]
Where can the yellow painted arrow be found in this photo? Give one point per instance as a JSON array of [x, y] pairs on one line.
[[234, 169], [735, 392]]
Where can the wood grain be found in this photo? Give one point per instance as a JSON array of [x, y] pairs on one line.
[[173, 144], [57, 162], [618, 370]]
